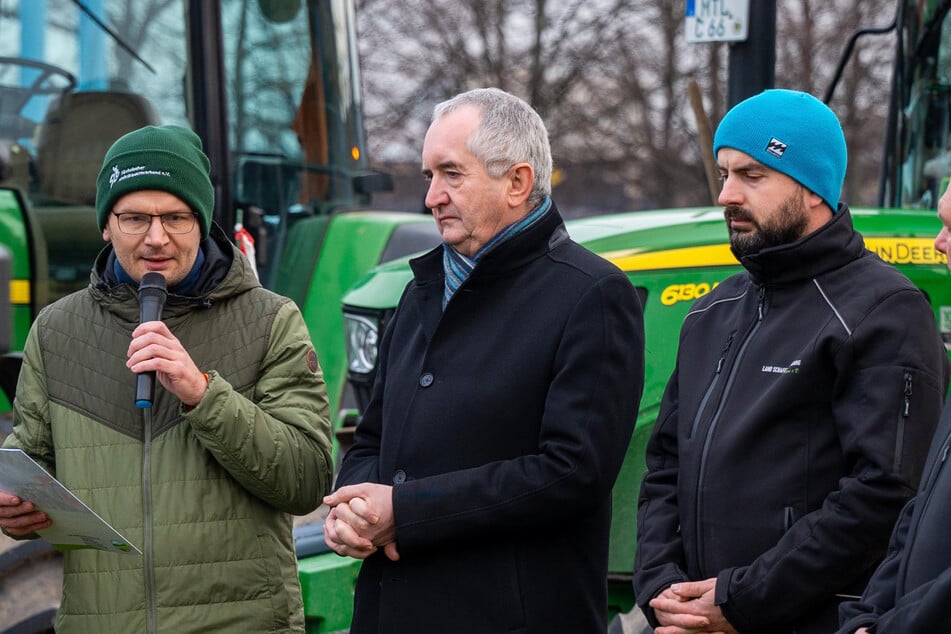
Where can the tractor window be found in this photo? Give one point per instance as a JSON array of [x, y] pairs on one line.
[[69, 87], [926, 170], [295, 143], [74, 76]]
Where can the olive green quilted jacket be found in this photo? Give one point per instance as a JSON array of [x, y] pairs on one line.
[[207, 495]]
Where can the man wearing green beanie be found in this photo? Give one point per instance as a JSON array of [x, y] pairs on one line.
[[807, 388], [203, 479]]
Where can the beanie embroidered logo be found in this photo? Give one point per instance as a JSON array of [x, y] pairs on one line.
[[776, 147], [134, 172]]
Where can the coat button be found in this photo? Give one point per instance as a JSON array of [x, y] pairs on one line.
[[426, 380], [399, 477]]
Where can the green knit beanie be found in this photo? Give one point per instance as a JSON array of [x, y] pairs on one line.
[[167, 158]]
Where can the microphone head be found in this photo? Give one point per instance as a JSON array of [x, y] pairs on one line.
[[152, 282]]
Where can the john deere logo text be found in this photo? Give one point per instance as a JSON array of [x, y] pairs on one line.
[[906, 250]]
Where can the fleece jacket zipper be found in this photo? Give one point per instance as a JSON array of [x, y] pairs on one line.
[[711, 428]]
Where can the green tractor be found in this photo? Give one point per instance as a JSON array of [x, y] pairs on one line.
[[675, 256], [272, 88]]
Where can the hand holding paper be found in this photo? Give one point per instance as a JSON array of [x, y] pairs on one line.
[[19, 518], [30, 493]]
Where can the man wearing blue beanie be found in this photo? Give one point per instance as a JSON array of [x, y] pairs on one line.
[[807, 388], [203, 477]]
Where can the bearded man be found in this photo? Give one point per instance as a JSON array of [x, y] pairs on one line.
[[807, 388]]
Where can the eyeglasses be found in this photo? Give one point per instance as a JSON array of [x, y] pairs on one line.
[[136, 224]]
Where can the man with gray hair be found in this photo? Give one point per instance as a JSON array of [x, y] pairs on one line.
[[478, 488]]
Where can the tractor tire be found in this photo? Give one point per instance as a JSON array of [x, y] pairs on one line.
[[31, 579]]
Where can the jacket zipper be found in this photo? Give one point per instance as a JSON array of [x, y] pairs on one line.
[[708, 438], [713, 384], [902, 420], [789, 518], [149, 564]]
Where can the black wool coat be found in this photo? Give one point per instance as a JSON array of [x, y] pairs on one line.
[[501, 423]]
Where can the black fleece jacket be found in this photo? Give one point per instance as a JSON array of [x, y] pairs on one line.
[[792, 431]]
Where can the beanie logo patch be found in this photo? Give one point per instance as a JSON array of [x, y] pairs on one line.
[[776, 147], [133, 172]]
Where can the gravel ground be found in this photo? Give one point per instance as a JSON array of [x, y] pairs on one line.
[[30, 589]]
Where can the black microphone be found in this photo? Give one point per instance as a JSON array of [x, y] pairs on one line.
[[152, 295]]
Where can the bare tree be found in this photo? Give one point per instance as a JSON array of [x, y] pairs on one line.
[[609, 77]]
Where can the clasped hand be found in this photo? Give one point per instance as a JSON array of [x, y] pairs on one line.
[[689, 608], [361, 521]]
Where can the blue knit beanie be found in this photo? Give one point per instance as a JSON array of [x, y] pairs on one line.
[[791, 132]]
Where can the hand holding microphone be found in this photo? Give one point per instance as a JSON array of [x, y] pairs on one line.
[[155, 353]]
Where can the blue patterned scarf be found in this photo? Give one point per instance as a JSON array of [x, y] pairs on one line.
[[458, 267]]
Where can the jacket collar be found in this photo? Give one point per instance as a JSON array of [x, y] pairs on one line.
[[831, 246], [510, 255], [534, 242], [226, 272]]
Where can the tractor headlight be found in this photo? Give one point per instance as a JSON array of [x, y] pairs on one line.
[[363, 339]]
